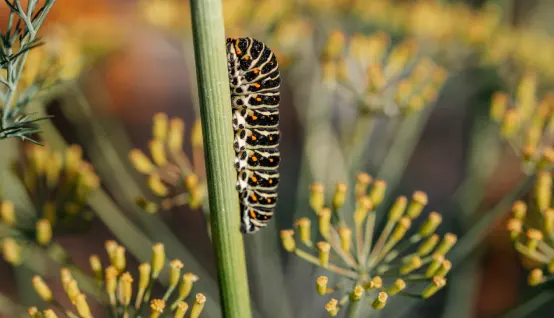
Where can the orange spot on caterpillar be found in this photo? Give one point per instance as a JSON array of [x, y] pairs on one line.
[[254, 158], [270, 138], [252, 214], [256, 71], [257, 85], [254, 179], [270, 181], [254, 198], [268, 200], [270, 159], [258, 99], [237, 50], [253, 138], [254, 117], [246, 57]]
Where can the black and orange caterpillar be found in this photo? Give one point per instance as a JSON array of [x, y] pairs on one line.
[[254, 81]]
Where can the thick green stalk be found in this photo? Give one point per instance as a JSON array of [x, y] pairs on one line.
[[215, 112]]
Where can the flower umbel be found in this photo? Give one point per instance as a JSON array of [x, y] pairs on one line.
[[173, 177], [532, 230], [58, 185], [393, 78], [125, 296], [527, 122], [380, 269]]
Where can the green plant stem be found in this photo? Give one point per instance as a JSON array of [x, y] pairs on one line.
[[398, 156], [352, 311], [482, 227], [215, 110], [529, 306]]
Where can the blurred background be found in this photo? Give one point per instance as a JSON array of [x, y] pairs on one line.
[[128, 60]]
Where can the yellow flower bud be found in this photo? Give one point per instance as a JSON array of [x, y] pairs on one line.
[[377, 193], [324, 222], [534, 236], [381, 301], [158, 259], [398, 286], [363, 206], [436, 285], [175, 267], [11, 251], [430, 226], [48, 313], [447, 243], [339, 196], [287, 238], [33, 312], [419, 201], [157, 186], [332, 307], [186, 285], [176, 135], [357, 293], [345, 235], [126, 282], [7, 213], [157, 150], [397, 209], [362, 183], [141, 162], [413, 264], [96, 267], [536, 277], [159, 128], [444, 268], [44, 232], [428, 245], [543, 190], [519, 210], [181, 310], [511, 123], [157, 307], [198, 306], [435, 265], [324, 249], [321, 285], [401, 228], [72, 290], [42, 289], [196, 135], [304, 226]]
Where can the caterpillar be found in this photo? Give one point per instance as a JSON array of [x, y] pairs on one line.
[[254, 81]]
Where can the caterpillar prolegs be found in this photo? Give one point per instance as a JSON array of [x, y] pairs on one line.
[[254, 81]]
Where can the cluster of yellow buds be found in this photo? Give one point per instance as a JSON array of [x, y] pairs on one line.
[[522, 49], [60, 59], [15, 240], [527, 122], [117, 282], [381, 77], [58, 184], [395, 263], [531, 228], [173, 177]]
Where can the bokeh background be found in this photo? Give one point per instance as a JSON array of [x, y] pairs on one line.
[[136, 60]]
